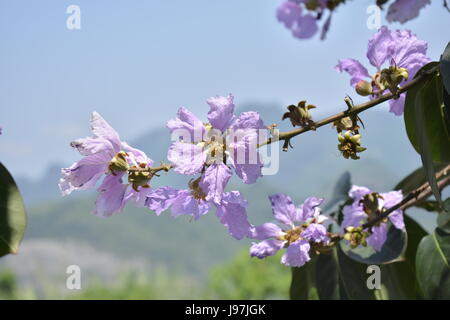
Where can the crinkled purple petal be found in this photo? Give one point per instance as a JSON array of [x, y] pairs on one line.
[[187, 122], [244, 155], [283, 208], [233, 215], [380, 47], [397, 106], [316, 233], [83, 174], [161, 199], [111, 198], [297, 254], [305, 27], [357, 192], [396, 218], [248, 120], [221, 111], [101, 129], [266, 248], [405, 10], [89, 146], [353, 215], [378, 237], [353, 67], [214, 181], [186, 204], [288, 13], [188, 158], [265, 231], [309, 209]]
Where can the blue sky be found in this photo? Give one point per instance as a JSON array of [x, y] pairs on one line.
[[136, 62]]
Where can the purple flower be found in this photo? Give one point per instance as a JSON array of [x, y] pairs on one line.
[[301, 227], [401, 50], [231, 211], [405, 10], [362, 210], [304, 25], [106, 155], [213, 149]]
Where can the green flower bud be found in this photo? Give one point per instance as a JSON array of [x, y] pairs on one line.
[[363, 88]]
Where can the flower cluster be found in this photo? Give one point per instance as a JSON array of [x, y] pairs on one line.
[[366, 206], [302, 229], [405, 55], [303, 24]]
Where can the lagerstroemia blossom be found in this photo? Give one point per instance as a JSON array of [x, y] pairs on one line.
[[301, 229], [213, 149], [105, 155], [366, 206], [405, 55], [305, 25]]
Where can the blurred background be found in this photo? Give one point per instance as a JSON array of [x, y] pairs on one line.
[[136, 62]]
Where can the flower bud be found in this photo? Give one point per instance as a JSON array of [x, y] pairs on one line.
[[119, 163], [363, 88]]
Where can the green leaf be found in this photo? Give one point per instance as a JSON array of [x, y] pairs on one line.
[[445, 67], [303, 281], [400, 277], [327, 276], [424, 119], [340, 191], [433, 265], [13, 219], [392, 250]]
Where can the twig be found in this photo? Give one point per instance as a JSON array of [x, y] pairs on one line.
[[354, 110]]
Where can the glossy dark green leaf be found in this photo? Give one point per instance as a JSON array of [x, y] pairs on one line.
[[400, 277], [303, 281], [433, 265], [424, 119], [13, 218], [327, 276], [340, 191], [445, 67]]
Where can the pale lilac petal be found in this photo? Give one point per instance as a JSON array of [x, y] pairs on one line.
[[391, 198], [306, 27], [380, 47], [297, 254], [266, 230], [357, 192], [378, 237], [266, 248], [288, 13], [214, 181], [309, 209], [221, 111], [283, 208], [111, 198], [188, 158], [396, 218], [408, 51], [101, 129], [187, 122], [354, 215], [186, 204], [405, 10], [83, 174], [316, 233], [248, 120], [353, 67], [397, 106], [161, 199], [233, 215], [89, 146]]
